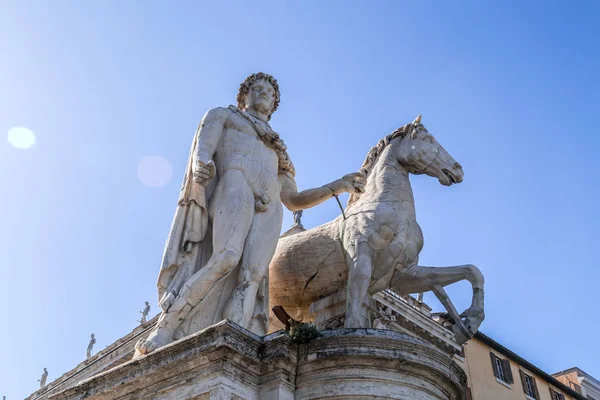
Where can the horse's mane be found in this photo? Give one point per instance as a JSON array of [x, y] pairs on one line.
[[375, 152]]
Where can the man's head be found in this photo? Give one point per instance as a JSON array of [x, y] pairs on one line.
[[260, 92]]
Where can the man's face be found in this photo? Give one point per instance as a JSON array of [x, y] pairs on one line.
[[261, 97]]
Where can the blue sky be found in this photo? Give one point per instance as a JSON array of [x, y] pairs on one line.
[[510, 89]]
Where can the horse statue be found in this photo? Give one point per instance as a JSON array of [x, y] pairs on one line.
[[375, 243]]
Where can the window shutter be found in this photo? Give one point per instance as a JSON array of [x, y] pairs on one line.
[[469, 394], [523, 381], [536, 394], [493, 356], [507, 371], [554, 395]]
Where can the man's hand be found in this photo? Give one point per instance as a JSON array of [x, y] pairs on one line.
[[351, 183], [204, 172]]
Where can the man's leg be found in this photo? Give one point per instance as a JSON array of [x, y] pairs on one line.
[[258, 251], [234, 208]]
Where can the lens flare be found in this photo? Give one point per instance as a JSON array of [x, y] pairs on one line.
[[154, 171], [21, 138]]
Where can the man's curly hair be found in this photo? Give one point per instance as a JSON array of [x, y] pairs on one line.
[[249, 81]]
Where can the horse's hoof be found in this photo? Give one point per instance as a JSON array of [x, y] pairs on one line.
[[141, 349], [145, 346], [473, 318]]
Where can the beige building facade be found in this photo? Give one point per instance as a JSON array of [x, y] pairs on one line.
[[496, 373], [581, 382]]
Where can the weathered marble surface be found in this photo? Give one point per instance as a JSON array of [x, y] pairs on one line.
[[385, 310], [375, 245], [355, 363], [223, 361], [226, 361], [228, 219]]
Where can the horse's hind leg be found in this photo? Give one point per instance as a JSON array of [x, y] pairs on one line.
[[359, 278], [423, 279]]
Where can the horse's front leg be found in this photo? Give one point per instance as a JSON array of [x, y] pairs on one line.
[[423, 279], [359, 278]]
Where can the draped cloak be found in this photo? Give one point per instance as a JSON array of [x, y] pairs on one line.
[[189, 244]]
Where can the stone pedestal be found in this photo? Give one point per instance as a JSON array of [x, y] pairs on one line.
[[329, 312], [221, 362], [374, 363], [386, 310], [225, 361]]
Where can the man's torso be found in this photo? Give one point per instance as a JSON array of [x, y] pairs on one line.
[[240, 148]]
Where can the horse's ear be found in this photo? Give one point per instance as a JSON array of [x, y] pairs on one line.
[[418, 119]]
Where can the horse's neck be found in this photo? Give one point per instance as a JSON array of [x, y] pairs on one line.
[[388, 182]]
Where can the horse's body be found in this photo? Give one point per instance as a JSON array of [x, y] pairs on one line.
[[377, 245]]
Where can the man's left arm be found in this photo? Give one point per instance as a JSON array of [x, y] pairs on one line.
[[294, 200]]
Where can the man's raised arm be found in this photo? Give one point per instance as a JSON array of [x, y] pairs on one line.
[[294, 200], [209, 133]]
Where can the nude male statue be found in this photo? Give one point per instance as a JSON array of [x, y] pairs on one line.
[[238, 175]]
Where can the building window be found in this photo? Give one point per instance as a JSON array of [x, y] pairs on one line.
[[502, 369], [529, 385], [554, 395]]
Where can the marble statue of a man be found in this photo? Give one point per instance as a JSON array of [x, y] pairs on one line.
[[43, 379], [91, 345], [298, 217], [144, 313], [229, 217]]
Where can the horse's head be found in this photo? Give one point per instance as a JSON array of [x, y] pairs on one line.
[[420, 153]]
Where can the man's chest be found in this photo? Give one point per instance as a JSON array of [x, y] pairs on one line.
[[247, 124], [240, 136], [246, 152]]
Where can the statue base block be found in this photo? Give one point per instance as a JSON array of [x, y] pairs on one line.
[[330, 312], [225, 361]]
